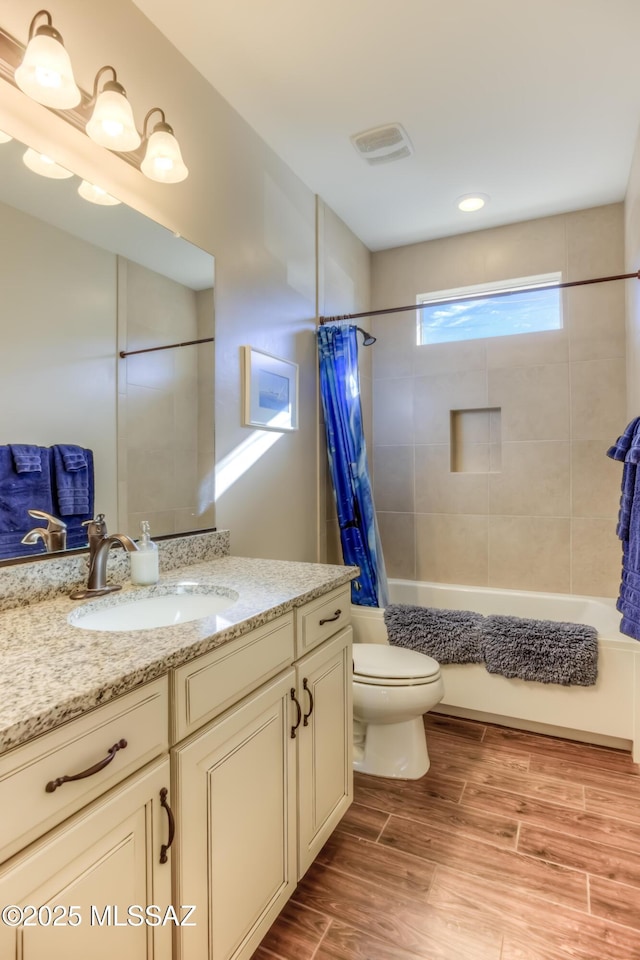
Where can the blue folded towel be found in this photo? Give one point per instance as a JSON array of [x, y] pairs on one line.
[[73, 457], [26, 457], [19, 493], [73, 486]]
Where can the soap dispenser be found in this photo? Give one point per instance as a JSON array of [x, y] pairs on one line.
[[144, 560]]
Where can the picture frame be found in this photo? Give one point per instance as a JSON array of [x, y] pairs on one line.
[[270, 397]]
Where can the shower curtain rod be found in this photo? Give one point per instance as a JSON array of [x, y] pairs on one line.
[[479, 296]]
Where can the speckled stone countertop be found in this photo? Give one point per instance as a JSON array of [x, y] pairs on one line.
[[51, 671]]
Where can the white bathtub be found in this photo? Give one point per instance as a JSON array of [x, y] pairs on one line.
[[607, 713]]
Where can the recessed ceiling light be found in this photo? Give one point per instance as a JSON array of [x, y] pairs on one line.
[[471, 202]]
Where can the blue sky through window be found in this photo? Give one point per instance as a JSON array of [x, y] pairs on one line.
[[518, 311]]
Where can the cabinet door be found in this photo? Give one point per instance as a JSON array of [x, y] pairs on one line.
[[100, 863], [236, 856], [325, 737]]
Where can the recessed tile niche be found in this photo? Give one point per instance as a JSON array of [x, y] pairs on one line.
[[476, 440]]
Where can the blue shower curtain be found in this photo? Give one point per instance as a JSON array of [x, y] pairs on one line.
[[340, 391]]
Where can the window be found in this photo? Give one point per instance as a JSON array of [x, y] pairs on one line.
[[490, 310]]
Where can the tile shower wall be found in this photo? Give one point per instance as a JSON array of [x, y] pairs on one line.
[[534, 505]]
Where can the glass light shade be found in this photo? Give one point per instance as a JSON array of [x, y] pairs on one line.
[[112, 124], [43, 165], [4, 137], [94, 194], [45, 73], [163, 161]]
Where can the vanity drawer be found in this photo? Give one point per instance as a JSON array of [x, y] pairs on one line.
[[208, 685], [31, 801], [320, 619]]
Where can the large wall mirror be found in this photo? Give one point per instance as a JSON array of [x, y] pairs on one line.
[[81, 282]]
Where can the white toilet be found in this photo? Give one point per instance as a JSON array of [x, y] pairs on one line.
[[392, 688]]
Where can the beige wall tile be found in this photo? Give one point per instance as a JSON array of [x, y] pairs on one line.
[[334, 550], [452, 549], [595, 480], [534, 480], [435, 397], [470, 426], [524, 249], [534, 401], [151, 480], [598, 399], [398, 538], [393, 483], [596, 555], [595, 319], [439, 358], [393, 411], [529, 553], [472, 458], [393, 353], [595, 242], [438, 490], [528, 349]]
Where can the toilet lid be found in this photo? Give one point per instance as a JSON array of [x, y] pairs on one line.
[[383, 662]]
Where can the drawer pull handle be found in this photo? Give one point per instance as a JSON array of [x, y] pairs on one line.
[[305, 719], [299, 709], [336, 616], [96, 768], [172, 825]]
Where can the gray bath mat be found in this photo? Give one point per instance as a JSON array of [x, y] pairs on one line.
[[542, 650], [449, 636]]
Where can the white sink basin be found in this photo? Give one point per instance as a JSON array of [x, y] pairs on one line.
[[145, 613]]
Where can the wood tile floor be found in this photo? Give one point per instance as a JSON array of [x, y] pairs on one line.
[[514, 846]]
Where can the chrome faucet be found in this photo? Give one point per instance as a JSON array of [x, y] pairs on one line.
[[100, 542], [53, 536]]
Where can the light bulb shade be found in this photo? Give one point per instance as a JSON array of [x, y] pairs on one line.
[[45, 73], [4, 137], [43, 165], [163, 161], [94, 194], [112, 124]]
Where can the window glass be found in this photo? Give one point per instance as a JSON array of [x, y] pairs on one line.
[[490, 310]]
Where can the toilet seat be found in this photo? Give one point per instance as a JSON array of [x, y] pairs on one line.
[[377, 664]]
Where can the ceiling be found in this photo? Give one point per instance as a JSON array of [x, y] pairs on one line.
[[535, 104]]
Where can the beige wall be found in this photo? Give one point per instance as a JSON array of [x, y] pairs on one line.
[[58, 331], [344, 281], [632, 252], [545, 520], [241, 203]]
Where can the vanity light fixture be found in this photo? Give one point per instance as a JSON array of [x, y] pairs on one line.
[[43, 165], [4, 137], [94, 194], [162, 160], [45, 73], [471, 202], [112, 124]]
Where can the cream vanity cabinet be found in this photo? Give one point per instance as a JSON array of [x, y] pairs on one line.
[[104, 855], [261, 786]]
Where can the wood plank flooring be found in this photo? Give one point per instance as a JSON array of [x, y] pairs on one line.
[[514, 846]]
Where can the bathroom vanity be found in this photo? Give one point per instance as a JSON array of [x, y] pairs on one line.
[[146, 772]]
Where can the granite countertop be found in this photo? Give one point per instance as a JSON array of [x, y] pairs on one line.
[[51, 671]]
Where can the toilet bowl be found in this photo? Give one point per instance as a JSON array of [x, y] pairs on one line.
[[392, 688]]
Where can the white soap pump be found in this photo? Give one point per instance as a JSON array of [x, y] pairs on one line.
[[144, 560]]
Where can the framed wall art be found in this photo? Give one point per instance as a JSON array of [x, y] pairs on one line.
[[270, 399]]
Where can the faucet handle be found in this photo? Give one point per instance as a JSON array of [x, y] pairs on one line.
[[53, 524], [96, 528]]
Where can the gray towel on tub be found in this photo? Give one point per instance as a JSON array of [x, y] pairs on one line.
[[449, 636], [543, 650]]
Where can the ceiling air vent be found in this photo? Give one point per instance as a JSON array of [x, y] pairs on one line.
[[383, 144]]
